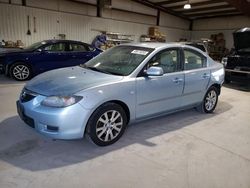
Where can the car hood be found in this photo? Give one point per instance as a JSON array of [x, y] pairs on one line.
[[242, 38], [68, 81], [14, 52]]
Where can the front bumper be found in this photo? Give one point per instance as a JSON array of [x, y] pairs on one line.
[[57, 123]]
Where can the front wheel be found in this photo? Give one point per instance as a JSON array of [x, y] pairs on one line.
[[20, 71], [210, 101], [107, 124]]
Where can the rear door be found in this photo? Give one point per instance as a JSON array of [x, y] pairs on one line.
[[80, 53], [197, 76]]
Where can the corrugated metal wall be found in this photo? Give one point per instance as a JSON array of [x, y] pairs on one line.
[[206, 27], [76, 21]]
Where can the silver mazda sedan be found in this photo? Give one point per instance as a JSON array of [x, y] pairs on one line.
[[125, 84]]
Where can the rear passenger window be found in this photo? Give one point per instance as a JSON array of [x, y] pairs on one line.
[[193, 60], [58, 47], [77, 48]]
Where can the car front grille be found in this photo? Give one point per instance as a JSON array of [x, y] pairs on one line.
[[27, 95]]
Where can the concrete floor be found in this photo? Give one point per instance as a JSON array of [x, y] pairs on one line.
[[185, 149]]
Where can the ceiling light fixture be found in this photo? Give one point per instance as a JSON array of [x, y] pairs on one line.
[[187, 5]]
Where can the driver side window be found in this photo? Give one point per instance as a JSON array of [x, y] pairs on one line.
[[166, 59], [57, 47]]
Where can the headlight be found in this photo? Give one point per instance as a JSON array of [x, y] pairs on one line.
[[60, 101]]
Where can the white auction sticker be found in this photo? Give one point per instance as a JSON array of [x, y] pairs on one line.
[[139, 52]]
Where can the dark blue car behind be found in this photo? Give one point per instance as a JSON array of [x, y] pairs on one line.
[[44, 56]]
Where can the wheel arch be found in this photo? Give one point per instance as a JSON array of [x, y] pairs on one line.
[[9, 65], [217, 86], [123, 105]]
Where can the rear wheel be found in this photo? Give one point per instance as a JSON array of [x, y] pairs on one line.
[[107, 124], [20, 71], [210, 101]]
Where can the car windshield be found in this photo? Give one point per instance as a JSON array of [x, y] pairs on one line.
[[34, 46], [120, 60]]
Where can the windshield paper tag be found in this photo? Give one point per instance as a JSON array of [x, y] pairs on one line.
[[139, 52]]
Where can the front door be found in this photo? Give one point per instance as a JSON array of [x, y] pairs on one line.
[[52, 56], [157, 94]]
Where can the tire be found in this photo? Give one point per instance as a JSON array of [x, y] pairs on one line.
[[107, 124], [209, 101], [20, 71]]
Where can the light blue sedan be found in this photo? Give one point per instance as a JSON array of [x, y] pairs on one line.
[[125, 84]]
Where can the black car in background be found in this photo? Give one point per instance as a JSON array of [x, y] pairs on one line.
[[237, 64]]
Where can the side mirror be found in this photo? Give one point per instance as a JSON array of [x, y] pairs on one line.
[[154, 71], [39, 50]]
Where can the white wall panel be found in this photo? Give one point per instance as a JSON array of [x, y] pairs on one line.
[[16, 2], [46, 4], [227, 25], [4, 1], [173, 21], [67, 6], [13, 21], [127, 16], [222, 23], [133, 6]]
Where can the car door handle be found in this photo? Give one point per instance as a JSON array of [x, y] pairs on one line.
[[73, 56], [177, 80], [206, 75]]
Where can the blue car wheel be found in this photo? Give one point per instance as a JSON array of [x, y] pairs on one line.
[[107, 124]]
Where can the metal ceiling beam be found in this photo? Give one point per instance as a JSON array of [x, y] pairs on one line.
[[205, 8], [241, 5], [158, 7], [198, 4], [170, 2], [219, 16], [213, 13]]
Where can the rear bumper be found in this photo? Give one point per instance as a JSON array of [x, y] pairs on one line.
[[237, 76]]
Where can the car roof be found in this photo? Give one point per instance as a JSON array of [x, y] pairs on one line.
[[155, 45], [160, 45], [62, 40]]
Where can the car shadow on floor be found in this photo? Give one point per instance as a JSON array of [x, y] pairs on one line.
[[238, 86], [4, 80], [22, 147]]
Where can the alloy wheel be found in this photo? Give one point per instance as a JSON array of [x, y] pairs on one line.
[[210, 100], [109, 125], [21, 72]]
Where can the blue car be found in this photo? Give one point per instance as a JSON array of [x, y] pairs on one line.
[[43, 56], [125, 84]]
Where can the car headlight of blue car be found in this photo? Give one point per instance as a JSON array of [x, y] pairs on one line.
[[60, 101]]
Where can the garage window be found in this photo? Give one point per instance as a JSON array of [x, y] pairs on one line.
[[193, 60]]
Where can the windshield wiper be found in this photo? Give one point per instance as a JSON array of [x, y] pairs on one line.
[[100, 70], [96, 69]]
